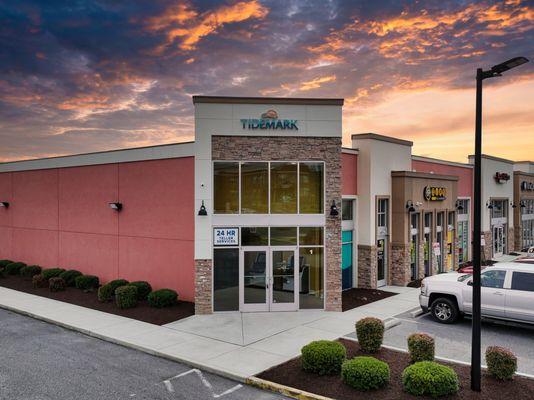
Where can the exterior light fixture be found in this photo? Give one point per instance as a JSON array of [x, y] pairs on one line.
[[333, 209], [513, 205], [410, 207], [459, 206], [489, 205], [202, 211], [115, 206], [522, 204], [4, 204]]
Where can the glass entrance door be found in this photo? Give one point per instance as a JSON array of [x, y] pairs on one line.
[[268, 280], [498, 241]]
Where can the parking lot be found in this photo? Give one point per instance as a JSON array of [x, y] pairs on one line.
[[454, 341]]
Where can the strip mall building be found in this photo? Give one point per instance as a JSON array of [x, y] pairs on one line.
[[264, 211]]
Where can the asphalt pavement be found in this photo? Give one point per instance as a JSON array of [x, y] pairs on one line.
[[43, 361], [454, 341]]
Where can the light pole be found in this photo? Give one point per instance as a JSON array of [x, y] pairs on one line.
[[495, 71]]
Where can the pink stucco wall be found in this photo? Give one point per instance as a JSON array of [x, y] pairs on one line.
[[464, 174], [61, 217], [349, 174]]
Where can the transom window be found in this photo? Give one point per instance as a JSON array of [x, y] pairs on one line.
[[261, 187]]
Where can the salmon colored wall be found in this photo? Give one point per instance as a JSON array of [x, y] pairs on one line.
[[61, 217], [464, 174], [349, 174]]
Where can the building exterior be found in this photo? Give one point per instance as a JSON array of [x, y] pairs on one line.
[[264, 211]]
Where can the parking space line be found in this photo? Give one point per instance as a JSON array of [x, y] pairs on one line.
[[170, 388]]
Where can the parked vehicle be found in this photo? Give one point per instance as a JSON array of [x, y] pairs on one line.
[[507, 294]]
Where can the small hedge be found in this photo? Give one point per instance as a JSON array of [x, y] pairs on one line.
[[4, 263], [162, 298], [52, 272], [105, 293], [29, 271], [502, 363], [126, 296], [86, 282], [14, 268], [365, 373], [116, 283], [143, 289], [39, 281], [428, 378], [370, 333], [421, 347], [56, 284], [323, 357], [69, 276]]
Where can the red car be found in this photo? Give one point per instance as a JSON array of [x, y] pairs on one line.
[[469, 269]]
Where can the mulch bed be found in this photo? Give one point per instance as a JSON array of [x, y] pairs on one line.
[[291, 374], [143, 312], [356, 297]]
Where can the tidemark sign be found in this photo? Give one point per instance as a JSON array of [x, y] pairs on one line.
[[269, 120], [527, 186], [432, 193]]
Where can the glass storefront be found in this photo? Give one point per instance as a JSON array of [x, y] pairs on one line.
[[414, 245], [226, 279], [427, 237], [226, 187], [527, 223], [254, 188], [346, 259], [283, 188]]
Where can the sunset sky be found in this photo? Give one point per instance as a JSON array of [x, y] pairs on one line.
[[82, 76]]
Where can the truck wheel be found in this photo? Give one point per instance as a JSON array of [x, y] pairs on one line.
[[444, 310]]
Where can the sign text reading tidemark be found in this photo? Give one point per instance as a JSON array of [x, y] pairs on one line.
[[269, 120]]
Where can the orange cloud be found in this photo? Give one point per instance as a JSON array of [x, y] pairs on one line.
[[316, 83]]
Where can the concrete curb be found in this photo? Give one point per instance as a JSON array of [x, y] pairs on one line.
[[284, 390], [416, 313]]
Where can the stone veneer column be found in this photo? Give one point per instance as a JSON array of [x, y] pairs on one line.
[[511, 240], [367, 266], [203, 287], [421, 272], [518, 240], [488, 238], [400, 264]]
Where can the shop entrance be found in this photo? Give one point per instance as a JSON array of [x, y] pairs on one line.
[[268, 279], [498, 241]]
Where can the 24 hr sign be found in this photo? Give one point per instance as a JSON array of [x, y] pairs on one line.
[[226, 236]]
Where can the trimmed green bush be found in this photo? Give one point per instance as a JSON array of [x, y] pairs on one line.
[[69, 276], [421, 347], [370, 333], [117, 283], [39, 281], [143, 289], [323, 357], [14, 268], [52, 272], [86, 282], [162, 298], [3, 263], [365, 373], [105, 293], [2, 273], [428, 378], [502, 363], [56, 284], [126, 296], [29, 271]]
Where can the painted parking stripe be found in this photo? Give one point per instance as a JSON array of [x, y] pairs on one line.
[[203, 379]]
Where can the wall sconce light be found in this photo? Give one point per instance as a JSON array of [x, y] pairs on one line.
[[489, 205], [522, 204], [513, 205], [115, 206], [409, 206], [4, 204], [333, 209], [458, 205], [202, 211]]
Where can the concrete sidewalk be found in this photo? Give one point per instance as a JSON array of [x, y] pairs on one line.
[[233, 344]]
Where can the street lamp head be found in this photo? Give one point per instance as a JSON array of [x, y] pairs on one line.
[[505, 66]]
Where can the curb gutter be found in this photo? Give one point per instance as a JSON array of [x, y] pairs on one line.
[[284, 390]]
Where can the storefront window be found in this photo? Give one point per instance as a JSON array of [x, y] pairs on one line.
[[283, 236], [254, 188], [311, 236], [226, 279], [311, 188], [347, 213], [283, 188], [254, 236], [226, 187], [311, 273]]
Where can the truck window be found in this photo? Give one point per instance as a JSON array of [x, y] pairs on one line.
[[493, 279], [523, 281]]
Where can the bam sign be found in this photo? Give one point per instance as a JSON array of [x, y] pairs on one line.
[[269, 120]]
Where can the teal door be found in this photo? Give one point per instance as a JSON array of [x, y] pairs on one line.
[[346, 259]]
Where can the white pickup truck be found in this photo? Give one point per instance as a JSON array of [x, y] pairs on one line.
[[507, 294]]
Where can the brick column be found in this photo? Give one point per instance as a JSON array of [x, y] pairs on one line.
[[203, 287], [367, 266]]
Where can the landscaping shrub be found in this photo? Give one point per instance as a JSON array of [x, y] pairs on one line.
[[117, 283], [105, 293], [365, 373], [428, 378], [421, 347], [3, 263], [126, 296], [143, 289], [86, 282], [370, 333], [69, 276], [29, 271], [52, 272], [502, 363], [323, 357], [2, 272], [14, 268], [162, 298], [56, 284], [39, 281]]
